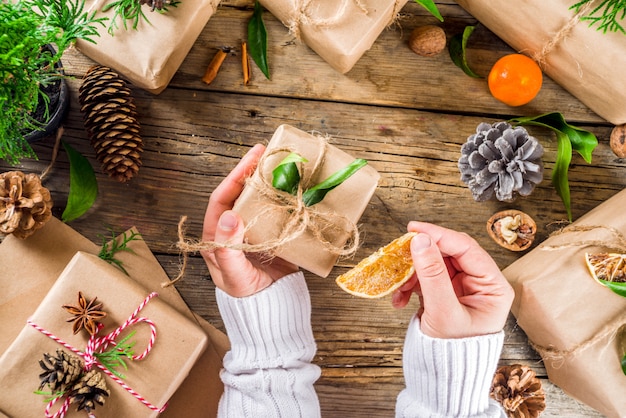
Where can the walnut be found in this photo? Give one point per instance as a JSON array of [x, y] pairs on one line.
[[25, 205], [512, 229], [618, 141], [428, 40]]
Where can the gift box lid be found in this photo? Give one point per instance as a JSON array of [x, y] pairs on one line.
[[177, 345]]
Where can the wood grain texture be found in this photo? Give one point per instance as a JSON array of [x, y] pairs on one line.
[[407, 115]]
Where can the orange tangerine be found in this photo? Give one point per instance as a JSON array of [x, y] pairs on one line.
[[382, 272], [515, 79]]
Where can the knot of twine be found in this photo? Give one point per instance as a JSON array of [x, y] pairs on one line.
[[299, 218], [610, 330], [99, 345], [562, 33]]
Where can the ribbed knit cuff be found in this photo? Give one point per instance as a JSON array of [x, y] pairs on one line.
[[450, 377], [271, 328]]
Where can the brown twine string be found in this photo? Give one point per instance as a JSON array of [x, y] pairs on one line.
[[562, 33], [300, 218], [610, 330], [55, 152]]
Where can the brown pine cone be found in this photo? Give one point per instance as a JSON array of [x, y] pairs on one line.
[[519, 391], [25, 205], [90, 390], [60, 371], [110, 118]]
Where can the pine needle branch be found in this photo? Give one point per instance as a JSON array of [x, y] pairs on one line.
[[107, 253]]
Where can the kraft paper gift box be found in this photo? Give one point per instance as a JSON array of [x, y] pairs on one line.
[[39, 260], [586, 62], [339, 31], [265, 218], [576, 324], [150, 55], [178, 343]]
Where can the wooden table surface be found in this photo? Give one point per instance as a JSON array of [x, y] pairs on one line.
[[407, 115]]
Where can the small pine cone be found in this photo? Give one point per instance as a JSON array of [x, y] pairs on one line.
[[110, 117], [60, 371], [501, 159], [519, 391], [25, 205], [90, 390]]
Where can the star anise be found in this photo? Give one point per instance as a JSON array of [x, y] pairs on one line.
[[85, 315]]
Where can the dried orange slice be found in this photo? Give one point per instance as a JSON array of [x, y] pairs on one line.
[[382, 272], [609, 267]]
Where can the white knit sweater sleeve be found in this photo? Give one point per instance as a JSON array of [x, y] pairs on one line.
[[268, 370], [449, 377]]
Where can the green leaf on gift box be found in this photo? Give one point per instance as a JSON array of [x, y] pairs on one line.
[[83, 185], [316, 193], [257, 39], [286, 176], [431, 7], [607, 14], [114, 357], [131, 11], [569, 138], [457, 47], [616, 287], [107, 253]]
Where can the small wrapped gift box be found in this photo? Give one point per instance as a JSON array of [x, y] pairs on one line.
[[575, 323], [150, 55], [266, 217], [177, 344], [339, 31], [583, 60]]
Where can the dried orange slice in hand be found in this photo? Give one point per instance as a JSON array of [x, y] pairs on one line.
[[382, 272], [609, 267]]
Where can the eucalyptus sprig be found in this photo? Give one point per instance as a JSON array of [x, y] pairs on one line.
[[107, 253], [607, 15], [569, 139], [114, 357], [286, 177]]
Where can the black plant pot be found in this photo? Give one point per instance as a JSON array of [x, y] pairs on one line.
[[58, 92]]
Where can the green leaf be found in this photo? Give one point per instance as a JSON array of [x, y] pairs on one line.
[[456, 48], [257, 39], [616, 287], [83, 185], [286, 176], [569, 138], [624, 364], [431, 7], [316, 193]]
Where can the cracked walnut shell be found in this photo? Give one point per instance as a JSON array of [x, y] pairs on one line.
[[512, 229], [25, 205]]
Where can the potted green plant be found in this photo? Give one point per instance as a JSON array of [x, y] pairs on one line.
[[33, 36]]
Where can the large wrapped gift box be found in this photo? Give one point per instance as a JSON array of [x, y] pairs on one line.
[[576, 324], [266, 219], [339, 31], [150, 55], [586, 62], [178, 343], [39, 260]]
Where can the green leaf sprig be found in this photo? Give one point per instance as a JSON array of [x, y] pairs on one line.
[[607, 15], [107, 253], [257, 39], [132, 11], [431, 7], [114, 357], [457, 51], [569, 139], [83, 185], [286, 177]]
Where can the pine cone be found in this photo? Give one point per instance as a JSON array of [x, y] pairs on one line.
[[90, 390], [110, 118], [60, 371], [501, 159], [519, 391], [25, 205]]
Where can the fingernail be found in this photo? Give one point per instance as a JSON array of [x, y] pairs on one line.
[[227, 221], [420, 242]]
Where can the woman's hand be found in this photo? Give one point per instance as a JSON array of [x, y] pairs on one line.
[[462, 291], [235, 272]]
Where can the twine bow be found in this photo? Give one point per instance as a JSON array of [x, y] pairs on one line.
[[610, 330], [100, 344], [298, 218]]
